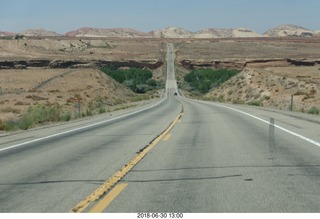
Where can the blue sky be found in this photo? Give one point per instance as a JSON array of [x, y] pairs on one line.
[[146, 15]]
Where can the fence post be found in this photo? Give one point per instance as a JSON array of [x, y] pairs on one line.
[[291, 104]]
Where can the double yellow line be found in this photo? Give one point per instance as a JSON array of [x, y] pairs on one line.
[[110, 183]]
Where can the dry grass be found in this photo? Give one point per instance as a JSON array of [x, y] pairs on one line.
[[273, 87], [21, 89]]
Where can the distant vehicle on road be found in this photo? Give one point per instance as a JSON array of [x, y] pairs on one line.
[[175, 94]]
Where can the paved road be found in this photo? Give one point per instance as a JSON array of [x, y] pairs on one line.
[[216, 158], [220, 160]]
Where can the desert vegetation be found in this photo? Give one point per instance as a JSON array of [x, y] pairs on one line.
[[203, 79], [40, 114], [138, 80], [38, 96]]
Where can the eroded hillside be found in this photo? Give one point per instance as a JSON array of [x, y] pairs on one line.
[[94, 90], [273, 87], [272, 70]]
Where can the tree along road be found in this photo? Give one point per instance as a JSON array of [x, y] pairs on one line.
[[212, 158]]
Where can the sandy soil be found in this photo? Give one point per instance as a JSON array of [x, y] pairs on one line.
[[273, 87]]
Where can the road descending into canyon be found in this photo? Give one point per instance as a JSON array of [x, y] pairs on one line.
[[172, 155]]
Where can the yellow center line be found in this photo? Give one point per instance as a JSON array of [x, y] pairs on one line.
[[111, 182], [106, 200], [166, 138]]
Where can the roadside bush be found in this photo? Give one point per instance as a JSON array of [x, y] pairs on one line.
[[66, 116], [314, 110], [7, 125], [96, 106], [40, 114], [2, 125], [204, 79], [102, 110], [255, 103]]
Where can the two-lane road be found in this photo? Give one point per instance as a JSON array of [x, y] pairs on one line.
[[214, 158]]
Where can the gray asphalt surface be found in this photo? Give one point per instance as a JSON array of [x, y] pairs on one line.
[[218, 158], [55, 174]]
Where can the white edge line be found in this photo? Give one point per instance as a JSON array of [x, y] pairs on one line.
[[81, 128], [265, 121]]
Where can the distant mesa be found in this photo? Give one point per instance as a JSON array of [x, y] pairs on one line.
[[287, 30], [226, 33], [38, 33], [105, 32], [171, 32]]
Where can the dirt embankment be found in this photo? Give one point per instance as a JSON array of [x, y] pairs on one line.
[[273, 87], [24, 88]]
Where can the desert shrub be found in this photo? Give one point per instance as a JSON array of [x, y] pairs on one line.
[[26, 123], [314, 110], [2, 125], [7, 125], [66, 116], [204, 79], [39, 114], [102, 110], [267, 97], [221, 98], [255, 103], [97, 106]]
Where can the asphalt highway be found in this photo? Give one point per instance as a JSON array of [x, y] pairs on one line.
[[220, 160], [172, 155]]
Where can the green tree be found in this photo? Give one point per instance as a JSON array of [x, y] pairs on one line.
[[204, 79], [138, 80]]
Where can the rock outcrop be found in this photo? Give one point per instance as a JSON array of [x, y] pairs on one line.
[[241, 64], [57, 63]]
